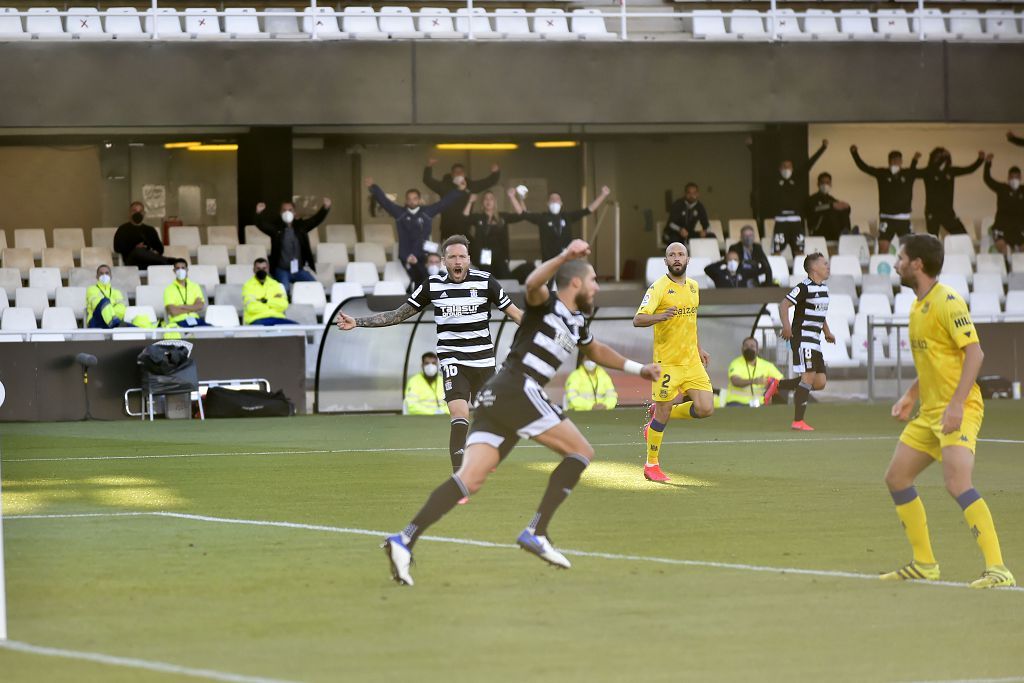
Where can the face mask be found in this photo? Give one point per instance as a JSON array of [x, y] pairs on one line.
[[459, 180], [589, 365], [104, 279], [181, 273], [749, 355], [554, 207], [786, 174], [824, 189], [413, 209], [733, 266], [894, 169], [433, 269], [1014, 183], [430, 370], [137, 217], [261, 275], [287, 216], [748, 241]]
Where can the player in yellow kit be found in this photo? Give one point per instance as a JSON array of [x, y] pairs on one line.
[[670, 305], [948, 356]]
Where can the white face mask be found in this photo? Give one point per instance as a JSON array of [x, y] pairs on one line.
[[824, 189], [732, 265], [181, 273], [287, 216], [894, 169], [555, 207], [105, 279], [413, 209], [589, 365], [433, 269], [786, 173], [430, 370], [460, 181], [1014, 183]]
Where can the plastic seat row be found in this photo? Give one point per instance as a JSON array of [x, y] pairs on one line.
[[245, 23]]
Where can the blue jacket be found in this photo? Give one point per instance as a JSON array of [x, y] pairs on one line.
[[413, 228]]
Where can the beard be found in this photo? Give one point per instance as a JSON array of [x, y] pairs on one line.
[[678, 271], [908, 281], [584, 304]]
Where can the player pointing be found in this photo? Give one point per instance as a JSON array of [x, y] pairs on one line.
[[513, 406]]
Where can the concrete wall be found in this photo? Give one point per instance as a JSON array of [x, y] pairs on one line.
[[50, 187]]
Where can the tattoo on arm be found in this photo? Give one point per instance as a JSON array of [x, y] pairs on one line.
[[394, 317]]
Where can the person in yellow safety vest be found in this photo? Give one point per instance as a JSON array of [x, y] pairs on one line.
[[105, 306], [748, 376], [424, 392], [264, 298], [183, 299], [589, 387]]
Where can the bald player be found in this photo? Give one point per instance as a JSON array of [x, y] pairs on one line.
[[670, 306]]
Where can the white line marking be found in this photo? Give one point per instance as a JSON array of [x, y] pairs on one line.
[[489, 544], [132, 663], [1012, 679]]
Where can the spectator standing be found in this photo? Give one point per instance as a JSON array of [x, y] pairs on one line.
[[895, 195], [555, 224], [1008, 228], [687, 218], [489, 245], [263, 298], [290, 251], [786, 197], [589, 387], [726, 274], [826, 216], [452, 217], [137, 243], [748, 377], [754, 264], [424, 392], [183, 299], [939, 177]]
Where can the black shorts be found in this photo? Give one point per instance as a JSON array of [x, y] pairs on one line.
[[892, 227], [511, 407], [1012, 236], [806, 359], [462, 382]]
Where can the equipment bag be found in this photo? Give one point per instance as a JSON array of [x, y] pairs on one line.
[[221, 402]]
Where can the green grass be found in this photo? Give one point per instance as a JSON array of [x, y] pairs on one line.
[[309, 605]]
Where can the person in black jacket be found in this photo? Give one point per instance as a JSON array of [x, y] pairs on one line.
[[754, 264], [290, 251], [827, 216], [895, 195], [939, 177], [787, 202], [555, 225], [687, 218], [489, 244], [138, 243], [726, 274], [452, 219], [1008, 229]]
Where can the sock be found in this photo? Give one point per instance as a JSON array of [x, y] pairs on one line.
[[440, 502], [979, 519], [915, 523], [789, 384], [683, 411], [803, 392], [560, 485], [654, 436], [457, 441]]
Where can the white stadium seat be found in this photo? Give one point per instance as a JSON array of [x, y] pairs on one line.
[[123, 23], [324, 20], [215, 255], [1002, 25], [904, 300], [47, 279], [61, 259], [709, 24], [204, 276], [856, 246], [15, 319], [59, 319], [360, 23], [160, 276], [480, 23], [379, 233], [281, 23], [167, 25], [341, 233], [856, 24], [992, 263], [892, 24], [1015, 301], [437, 23], [780, 270], [884, 264], [84, 23], [814, 243], [184, 236], [309, 293], [397, 22], [513, 24], [371, 252], [246, 254], [847, 265], [32, 238], [133, 312], [242, 22], [706, 247], [989, 282], [342, 291], [45, 23], [220, 315], [202, 23], [821, 24], [69, 238], [959, 244], [10, 280], [388, 288], [933, 23], [841, 306], [362, 272], [73, 298], [226, 235], [588, 23], [237, 274], [877, 284], [151, 295], [959, 264], [958, 282], [985, 304], [787, 25], [125, 278], [335, 255], [965, 24], [551, 24], [102, 237], [395, 272], [32, 298], [229, 295], [747, 23], [11, 28]]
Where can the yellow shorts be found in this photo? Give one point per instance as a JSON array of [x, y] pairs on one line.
[[924, 433], [676, 379]]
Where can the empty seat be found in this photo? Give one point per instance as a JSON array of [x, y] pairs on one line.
[[841, 306], [85, 23], [205, 276], [1015, 301], [959, 244], [397, 22], [437, 23], [253, 236], [34, 298], [15, 319], [1014, 280], [892, 23], [221, 316], [332, 255], [61, 259], [958, 264], [904, 300], [59, 319], [246, 254], [932, 23], [705, 247], [989, 282], [281, 23], [45, 23], [799, 274], [589, 24], [856, 246], [10, 279], [309, 293], [125, 278], [226, 235], [11, 27], [877, 284], [123, 23], [229, 295], [202, 22], [303, 314], [215, 255], [33, 239], [161, 276], [184, 236], [73, 298], [747, 23], [47, 279], [242, 22], [847, 265], [992, 263], [362, 273], [151, 295], [341, 233], [780, 270], [372, 252], [323, 21], [238, 274], [165, 24], [965, 24], [1017, 262], [360, 23], [342, 291], [884, 264], [102, 237], [815, 244], [178, 251], [394, 272], [958, 282], [985, 304], [513, 24], [388, 288], [856, 23], [1002, 25], [709, 24], [787, 26], [72, 239], [479, 25]]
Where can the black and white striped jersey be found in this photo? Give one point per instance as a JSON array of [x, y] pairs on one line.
[[548, 334], [462, 311], [811, 306]]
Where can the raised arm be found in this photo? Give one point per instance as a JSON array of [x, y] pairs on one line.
[[394, 210], [385, 319], [1014, 139], [817, 155], [992, 183], [445, 202], [870, 170], [429, 180], [513, 198], [264, 222], [469, 205], [484, 183], [537, 291], [316, 219], [967, 170], [599, 200]]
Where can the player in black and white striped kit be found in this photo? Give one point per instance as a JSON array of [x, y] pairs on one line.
[[810, 298], [462, 300], [513, 406]]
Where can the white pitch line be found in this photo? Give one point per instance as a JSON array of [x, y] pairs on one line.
[[488, 544], [132, 663], [1012, 679]]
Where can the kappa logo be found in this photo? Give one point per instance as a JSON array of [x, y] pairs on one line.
[[671, 291], [965, 439], [950, 297]]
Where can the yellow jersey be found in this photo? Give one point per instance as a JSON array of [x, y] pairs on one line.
[[675, 340], [940, 328]]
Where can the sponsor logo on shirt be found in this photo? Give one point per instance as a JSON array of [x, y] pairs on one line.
[[919, 344], [456, 310], [962, 321]]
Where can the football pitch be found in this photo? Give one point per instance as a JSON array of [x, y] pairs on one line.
[[248, 550]]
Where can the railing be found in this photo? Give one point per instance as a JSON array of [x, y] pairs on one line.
[[158, 333]]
